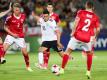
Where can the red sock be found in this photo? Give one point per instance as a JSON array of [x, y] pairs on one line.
[[26, 58], [65, 60], [46, 57], [2, 52], [89, 61]]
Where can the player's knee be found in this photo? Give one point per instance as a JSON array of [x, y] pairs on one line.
[[1, 41]]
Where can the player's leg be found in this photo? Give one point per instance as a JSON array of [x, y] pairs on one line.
[[8, 41], [72, 45], [46, 55], [41, 57], [88, 48], [1, 49], [26, 58], [89, 63], [45, 46], [21, 43]]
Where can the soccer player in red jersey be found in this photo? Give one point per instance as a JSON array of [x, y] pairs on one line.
[[86, 25], [14, 28], [54, 16], [1, 42]]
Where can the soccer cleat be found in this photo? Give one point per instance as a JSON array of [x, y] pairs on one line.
[[3, 60], [29, 69], [40, 66], [61, 71], [88, 74]]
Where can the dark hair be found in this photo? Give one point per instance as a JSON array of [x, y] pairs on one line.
[[90, 4], [45, 11], [16, 5], [50, 3]]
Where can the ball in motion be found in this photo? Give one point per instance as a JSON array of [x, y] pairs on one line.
[[55, 68]]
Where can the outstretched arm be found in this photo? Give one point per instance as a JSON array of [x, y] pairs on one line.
[[35, 16], [5, 12]]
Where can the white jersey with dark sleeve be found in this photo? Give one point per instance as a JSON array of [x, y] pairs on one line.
[[48, 29]]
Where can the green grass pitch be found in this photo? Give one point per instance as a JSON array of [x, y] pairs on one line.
[[14, 69]]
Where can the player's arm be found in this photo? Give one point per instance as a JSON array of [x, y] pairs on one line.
[[5, 12], [35, 16], [97, 28], [58, 34], [75, 25], [9, 32], [97, 32]]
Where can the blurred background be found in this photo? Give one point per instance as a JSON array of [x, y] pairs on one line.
[[66, 9]]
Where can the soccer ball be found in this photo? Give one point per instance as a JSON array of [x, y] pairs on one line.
[[55, 68]]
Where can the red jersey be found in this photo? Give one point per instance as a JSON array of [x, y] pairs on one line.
[[15, 25], [55, 17], [88, 21]]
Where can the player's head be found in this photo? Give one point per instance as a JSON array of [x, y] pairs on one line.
[[46, 14], [50, 7], [16, 8], [89, 5]]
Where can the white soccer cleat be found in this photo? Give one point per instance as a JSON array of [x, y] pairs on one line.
[[88, 74], [40, 66], [29, 69]]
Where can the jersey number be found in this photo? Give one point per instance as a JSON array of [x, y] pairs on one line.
[[86, 27]]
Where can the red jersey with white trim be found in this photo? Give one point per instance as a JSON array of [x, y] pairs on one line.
[[15, 24], [86, 25], [55, 17]]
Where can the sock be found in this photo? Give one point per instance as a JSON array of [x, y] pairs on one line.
[[40, 58], [2, 52], [26, 58], [89, 61], [65, 60], [46, 57]]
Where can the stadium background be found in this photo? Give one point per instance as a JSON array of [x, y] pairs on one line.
[[66, 9]]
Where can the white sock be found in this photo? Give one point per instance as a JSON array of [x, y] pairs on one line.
[[40, 58]]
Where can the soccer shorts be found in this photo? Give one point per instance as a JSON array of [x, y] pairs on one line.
[[76, 44], [51, 44], [20, 42]]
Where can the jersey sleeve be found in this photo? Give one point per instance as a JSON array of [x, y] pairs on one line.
[[7, 22], [57, 19], [54, 26]]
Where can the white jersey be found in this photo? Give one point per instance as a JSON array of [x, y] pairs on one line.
[[48, 29]]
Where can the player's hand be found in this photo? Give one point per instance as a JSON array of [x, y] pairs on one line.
[[72, 34], [60, 45], [33, 13]]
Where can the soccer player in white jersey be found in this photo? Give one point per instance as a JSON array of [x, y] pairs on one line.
[[50, 36]]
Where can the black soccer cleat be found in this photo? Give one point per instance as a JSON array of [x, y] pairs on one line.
[[3, 61]]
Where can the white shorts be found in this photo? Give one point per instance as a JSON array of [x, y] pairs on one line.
[[76, 44], [20, 42]]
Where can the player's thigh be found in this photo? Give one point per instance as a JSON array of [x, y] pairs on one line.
[[9, 39], [54, 46], [1, 40], [73, 44], [87, 47], [6, 46], [45, 46], [20, 42]]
